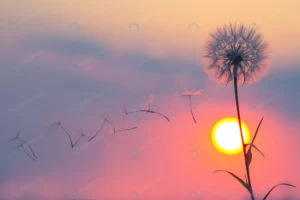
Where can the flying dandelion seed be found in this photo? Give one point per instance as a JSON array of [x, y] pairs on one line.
[[21, 146], [190, 94], [57, 125], [24, 150]]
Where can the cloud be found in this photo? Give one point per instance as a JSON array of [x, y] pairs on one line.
[[277, 91], [67, 45], [171, 67]]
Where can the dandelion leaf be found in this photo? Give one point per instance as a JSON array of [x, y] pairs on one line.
[[286, 184], [237, 178], [249, 157]]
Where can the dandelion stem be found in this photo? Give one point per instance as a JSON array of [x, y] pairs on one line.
[[240, 127]]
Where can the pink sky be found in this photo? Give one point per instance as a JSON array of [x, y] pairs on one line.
[[55, 52]]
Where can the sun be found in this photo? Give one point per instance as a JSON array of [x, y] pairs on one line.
[[226, 136]]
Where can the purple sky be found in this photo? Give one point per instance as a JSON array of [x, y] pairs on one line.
[[78, 62]]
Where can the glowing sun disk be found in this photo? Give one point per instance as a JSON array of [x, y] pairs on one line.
[[226, 136]]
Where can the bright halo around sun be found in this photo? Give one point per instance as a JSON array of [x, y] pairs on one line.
[[226, 136]]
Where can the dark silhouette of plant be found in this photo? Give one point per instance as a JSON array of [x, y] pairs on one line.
[[237, 53]]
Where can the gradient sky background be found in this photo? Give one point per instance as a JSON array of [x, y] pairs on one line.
[[77, 61]]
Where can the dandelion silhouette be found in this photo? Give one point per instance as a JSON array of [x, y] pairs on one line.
[[236, 52], [190, 94], [239, 54]]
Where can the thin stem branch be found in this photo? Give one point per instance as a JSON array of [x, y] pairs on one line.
[[240, 127]]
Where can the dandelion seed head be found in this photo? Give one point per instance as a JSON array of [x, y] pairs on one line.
[[236, 46]]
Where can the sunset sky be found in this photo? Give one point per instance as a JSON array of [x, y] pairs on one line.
[[78, 61]]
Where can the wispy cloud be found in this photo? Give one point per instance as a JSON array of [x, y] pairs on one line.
[[25, 103], [66, 45]]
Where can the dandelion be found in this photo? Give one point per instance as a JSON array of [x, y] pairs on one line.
[[238, 54]]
